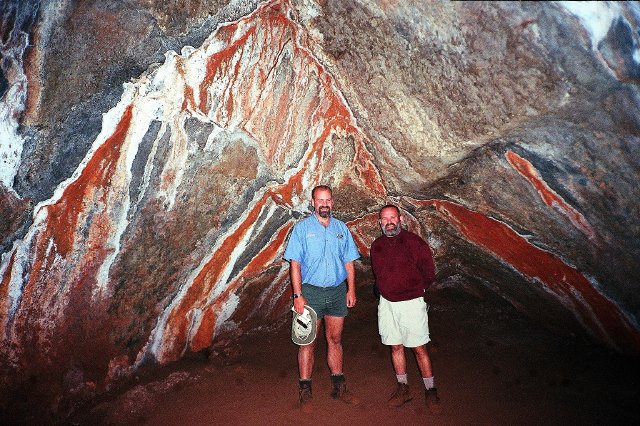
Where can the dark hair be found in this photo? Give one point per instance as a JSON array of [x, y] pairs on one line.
[[389, 206], [313, 191]]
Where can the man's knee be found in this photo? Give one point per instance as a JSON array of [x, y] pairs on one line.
[[334, 338], [422, 349], [397, 348], [307, 349], [333, 329]]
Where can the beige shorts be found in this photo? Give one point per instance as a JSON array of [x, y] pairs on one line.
[[403, 323]]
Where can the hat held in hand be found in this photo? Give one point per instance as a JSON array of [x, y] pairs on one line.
[[304, 326]]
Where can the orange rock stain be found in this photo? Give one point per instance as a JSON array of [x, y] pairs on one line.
[[550, 198], [63, 215], [597, 313]]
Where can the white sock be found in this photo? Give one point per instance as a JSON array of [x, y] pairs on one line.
[[402, 378], [428, 382]]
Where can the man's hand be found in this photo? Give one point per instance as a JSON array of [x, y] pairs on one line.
[[351, 284], [351, 299], [298, 304], [426, 301]]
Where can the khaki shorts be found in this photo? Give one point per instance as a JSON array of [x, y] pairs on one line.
[[403, 323]]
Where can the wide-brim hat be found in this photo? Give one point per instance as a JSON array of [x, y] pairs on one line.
[[304, 327]]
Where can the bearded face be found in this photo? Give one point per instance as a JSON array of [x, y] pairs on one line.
[[391, 229], [323, 203], [390, 222]]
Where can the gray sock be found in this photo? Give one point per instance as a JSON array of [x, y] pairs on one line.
[[428, 382], [402, 378]]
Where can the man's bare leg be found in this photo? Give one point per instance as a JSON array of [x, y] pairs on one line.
[[306, 357], [398, 359], [401, 394], [424, 362], [333, 333]]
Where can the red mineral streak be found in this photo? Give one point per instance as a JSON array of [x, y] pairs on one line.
[[322, 117], [63, 215], [197, 294], [258, 263], [188, 102], [328, 111], [356, 227], [367, 170], [550, 198], [274, 116], [204, 336], [597, 313], [276, 298], [7, 273], [33, 61], [215, 64], [208, 278], [188, 98], [206, 331], [50, 279], [5, 301]]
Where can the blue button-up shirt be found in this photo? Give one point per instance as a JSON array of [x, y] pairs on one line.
[[321, 252]]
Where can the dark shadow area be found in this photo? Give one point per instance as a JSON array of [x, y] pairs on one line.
[[492, 366]]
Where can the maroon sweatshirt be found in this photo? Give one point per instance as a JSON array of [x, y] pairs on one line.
[[403, 266]]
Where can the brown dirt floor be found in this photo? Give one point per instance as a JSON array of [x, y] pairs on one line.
[[492, 367]]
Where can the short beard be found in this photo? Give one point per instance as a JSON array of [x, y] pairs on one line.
[[324, 212], [392, 232]]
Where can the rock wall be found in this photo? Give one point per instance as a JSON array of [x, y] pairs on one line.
[[156, 155]]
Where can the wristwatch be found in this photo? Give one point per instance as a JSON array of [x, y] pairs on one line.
[[296, 295]]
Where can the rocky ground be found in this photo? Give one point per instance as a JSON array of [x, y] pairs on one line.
[[492, 366]]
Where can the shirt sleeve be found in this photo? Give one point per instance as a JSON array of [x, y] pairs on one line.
[[294, 246], [351, 251]]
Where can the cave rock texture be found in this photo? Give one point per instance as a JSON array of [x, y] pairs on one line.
[[155, 155]]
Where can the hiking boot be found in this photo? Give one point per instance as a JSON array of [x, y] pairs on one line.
[[433, 401], [400, 396], [306, 397], [339, 390]]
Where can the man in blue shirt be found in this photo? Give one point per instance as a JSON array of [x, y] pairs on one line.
[[321, 252]]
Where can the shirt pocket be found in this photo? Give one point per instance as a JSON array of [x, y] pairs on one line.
[[340, 244]]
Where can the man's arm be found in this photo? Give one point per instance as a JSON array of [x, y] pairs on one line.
[[425, 264], [351, 284], [296, 283]]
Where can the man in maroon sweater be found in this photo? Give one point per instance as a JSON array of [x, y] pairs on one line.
[[404, 269]]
